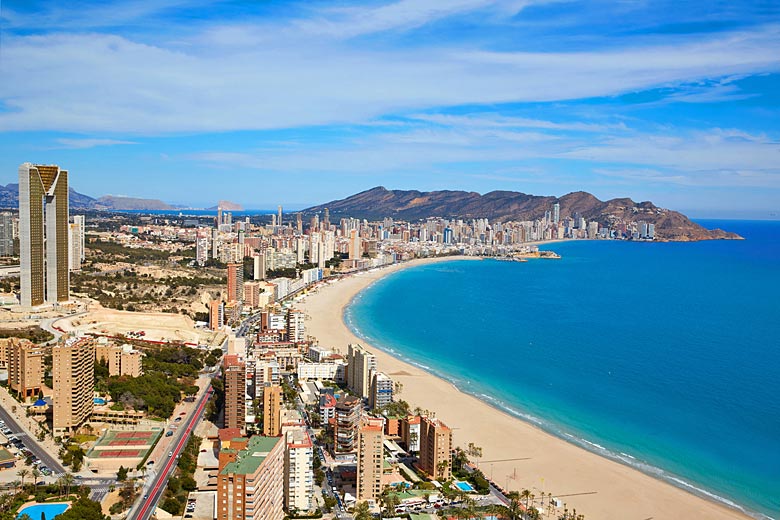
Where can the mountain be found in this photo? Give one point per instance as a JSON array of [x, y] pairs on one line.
[[111, 202], [380, 202], [226, 205], [9, 198]]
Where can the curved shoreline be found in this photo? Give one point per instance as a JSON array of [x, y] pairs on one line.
[[608, 487]]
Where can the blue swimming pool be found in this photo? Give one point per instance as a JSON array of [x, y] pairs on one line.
[[50, 510], [99, 400], [464, 486]]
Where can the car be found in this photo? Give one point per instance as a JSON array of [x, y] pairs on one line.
[[151, 462], [203, 451], [169, 433], [170, 454], [146, 496], [183, 413], [177, 419]]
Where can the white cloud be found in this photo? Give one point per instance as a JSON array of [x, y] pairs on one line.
[[83, 143], [98, 82]]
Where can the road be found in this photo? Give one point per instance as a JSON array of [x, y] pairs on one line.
[[31, 443], [154, 490]]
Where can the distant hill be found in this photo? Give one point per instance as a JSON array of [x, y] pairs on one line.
[[9, 198], [380, 202], [110, 202], [227, 206]]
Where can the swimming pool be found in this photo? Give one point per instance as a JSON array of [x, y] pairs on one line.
[[99, 400], [465, 486], [50, 510]]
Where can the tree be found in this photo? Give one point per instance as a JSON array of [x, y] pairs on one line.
[[474, 451], [22, 474], [67, 481], [121, 475], [526, 495], [362, 511], [35, 474], [390, 501]]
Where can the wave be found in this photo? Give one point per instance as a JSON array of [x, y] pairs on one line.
[[465, 386]]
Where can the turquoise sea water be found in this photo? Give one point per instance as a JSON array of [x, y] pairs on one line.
[[665, 356]]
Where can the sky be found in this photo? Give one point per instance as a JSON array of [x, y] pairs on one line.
[[300, 103]]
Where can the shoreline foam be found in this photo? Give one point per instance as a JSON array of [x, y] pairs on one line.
[[625, 489]]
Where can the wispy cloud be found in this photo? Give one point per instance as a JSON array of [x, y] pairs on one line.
[[84, 143], [104, 83]]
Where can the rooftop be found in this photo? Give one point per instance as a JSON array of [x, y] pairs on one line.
[[252, 457]]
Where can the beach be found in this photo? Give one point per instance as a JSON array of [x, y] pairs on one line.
[[516, 454]]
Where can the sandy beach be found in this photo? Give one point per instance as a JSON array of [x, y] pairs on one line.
[[526, 457]]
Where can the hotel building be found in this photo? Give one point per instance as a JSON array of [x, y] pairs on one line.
[[73, 381], [43, 234], [250, 485]]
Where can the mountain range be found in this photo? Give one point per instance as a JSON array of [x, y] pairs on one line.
[[412, 205]]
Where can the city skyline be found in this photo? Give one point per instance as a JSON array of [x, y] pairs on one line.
[[302, 105]]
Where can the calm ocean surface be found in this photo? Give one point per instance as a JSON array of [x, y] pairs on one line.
[[664, 356]]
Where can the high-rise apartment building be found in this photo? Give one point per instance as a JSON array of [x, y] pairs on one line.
[[235, 282], [43, 234], [25, 367], [370, 458], [360, 370], [216, 314], [76, 243], [381, 391], [435, 448], [251, 486], [73, 380], [298, 471], [234, 371], [6, 234], [410, 433], [272, 410], [348, 412], [201, 250], [295, 326]]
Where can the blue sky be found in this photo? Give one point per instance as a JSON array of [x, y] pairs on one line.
[[192, 101]]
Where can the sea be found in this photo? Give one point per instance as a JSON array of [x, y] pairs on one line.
[[662, 356]]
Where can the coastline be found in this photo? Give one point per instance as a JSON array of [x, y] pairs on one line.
[[597, 486]]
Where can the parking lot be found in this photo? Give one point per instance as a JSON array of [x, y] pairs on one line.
[[200, 505], [16, 446]]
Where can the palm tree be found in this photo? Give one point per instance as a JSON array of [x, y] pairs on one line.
[[526, 494], [22, 474], [67, 480], [15, 485], [362, 511], [514, 508], [35, 474]]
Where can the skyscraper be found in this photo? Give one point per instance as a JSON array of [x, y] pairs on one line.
[[279, 216], [76, 243], [556, 216], [43, 234]]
